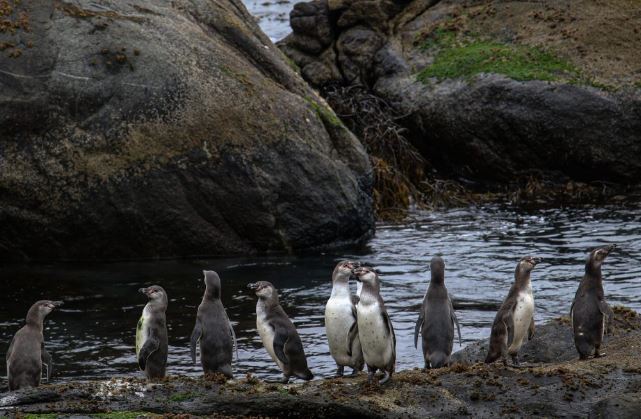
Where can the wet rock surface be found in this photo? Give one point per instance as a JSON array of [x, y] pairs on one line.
[[488, 127], [565, 386], [137, 130]]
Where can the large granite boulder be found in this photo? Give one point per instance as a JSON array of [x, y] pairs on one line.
[[160, 129]]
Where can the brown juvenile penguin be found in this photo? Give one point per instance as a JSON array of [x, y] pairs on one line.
[[27, 353]]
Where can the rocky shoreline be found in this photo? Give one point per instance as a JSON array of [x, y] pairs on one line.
[[553, 383], [492, 93]]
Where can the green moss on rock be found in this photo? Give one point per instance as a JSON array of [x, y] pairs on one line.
[[468, 57]]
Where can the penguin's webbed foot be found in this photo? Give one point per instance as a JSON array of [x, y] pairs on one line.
[[598, 354], [355, 372], [339, 371], [515, 361], [385, 378], [285, 379]]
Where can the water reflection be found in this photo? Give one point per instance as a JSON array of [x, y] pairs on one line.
[[93, 333]]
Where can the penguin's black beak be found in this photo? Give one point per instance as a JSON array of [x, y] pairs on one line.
[[252, 285], [57, 303], [610, 248], [142, 290], [536, 261]]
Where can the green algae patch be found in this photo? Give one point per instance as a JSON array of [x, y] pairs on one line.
[[467, 57], [325, 113], [181, 397]]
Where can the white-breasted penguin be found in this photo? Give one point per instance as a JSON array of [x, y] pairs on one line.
[[214, 330], [514, 322], [590, 313], [340, 317], [437, 319], [375, 329], [151, 333], [279, 334], [27, 354]]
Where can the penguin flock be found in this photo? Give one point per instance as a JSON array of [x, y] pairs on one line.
[[358, 328]]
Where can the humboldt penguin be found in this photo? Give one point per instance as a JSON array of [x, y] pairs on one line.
[[151, 333], [340, 317], [374, 327], [214, 330], [515, 319], [589, 312], [278, 333], [27, 354], [436, 320]]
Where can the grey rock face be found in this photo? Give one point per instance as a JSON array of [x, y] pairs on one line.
[[172, 128]]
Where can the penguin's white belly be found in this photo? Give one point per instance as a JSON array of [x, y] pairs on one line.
[[338, 321], [266, 333], [372, 332], [522, 317], [142, 332]]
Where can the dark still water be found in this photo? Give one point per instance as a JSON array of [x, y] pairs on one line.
[[93, 334]]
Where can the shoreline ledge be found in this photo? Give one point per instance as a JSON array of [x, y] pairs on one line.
[[554, 383]]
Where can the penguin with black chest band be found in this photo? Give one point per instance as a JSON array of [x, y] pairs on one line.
[[514, 321], [375, 329], [214, 330], [279, 334], [151, 333], [340, 317], [27, 354], [437, 319], [589, 312]]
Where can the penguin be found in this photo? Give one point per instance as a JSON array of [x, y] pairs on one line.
[[436, 320], [151, 334], [27, 354], [374, 327], [589, 312], [340, 317], [515, 319], [279, 334], [214, 330]]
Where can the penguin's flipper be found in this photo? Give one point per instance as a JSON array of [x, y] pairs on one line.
[[417, 328], [530, 330], [607, 312], [351, 335], [46, 360], [150, 346], [195, 335], [233, 336], [390, 330], [455, 320], [10, 350], [508, 320], [295, 353], [280, 339]]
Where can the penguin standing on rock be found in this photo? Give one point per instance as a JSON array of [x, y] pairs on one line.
[[515, 319], [214, 331], [437, 319], [589, 312], [151, 333], [27, 354], [374, 327], [279, 334], [340, 317]]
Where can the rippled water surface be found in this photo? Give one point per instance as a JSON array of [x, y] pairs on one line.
[[93, 334]]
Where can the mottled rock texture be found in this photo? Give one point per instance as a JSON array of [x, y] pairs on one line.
[[165, 129]]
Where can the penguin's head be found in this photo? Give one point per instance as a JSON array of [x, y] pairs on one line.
[[212, 282], [366, 275], [527, 263], [437, 269], [598, 255], [44, 307], [155, 293], [263, 289], [344, 271]]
